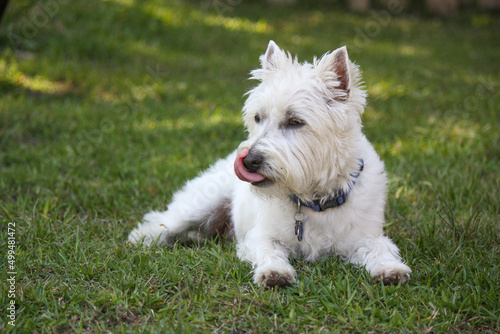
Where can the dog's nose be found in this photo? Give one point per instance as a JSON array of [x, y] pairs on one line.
[[252, 162]]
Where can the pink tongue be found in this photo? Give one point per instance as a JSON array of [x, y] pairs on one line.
[[241, 171]]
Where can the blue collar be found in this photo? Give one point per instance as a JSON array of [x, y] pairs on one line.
[[339, 197]]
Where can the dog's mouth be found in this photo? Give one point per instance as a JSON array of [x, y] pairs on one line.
[[264, 183], [244, 174]]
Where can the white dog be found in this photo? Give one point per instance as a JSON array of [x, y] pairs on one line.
[[306, 182]]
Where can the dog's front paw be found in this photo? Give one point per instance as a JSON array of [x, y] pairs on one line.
[[270, 277], [393, 275]]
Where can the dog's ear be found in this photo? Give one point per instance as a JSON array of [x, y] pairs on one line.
[[271, 59], [333, 68]]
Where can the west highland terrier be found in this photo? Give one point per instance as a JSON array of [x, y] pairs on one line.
[[306, 183]]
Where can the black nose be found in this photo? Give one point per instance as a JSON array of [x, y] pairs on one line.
[[252, 162]]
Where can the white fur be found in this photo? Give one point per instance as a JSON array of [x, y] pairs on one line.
[[311, 162]]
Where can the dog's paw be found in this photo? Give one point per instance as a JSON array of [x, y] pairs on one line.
[[394, 278], [393, 275], [148, 234], [274, 277]]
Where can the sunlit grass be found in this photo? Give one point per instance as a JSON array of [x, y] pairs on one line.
[[237, 24], [37, 84], [215, 119]]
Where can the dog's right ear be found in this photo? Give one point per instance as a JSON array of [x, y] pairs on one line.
[[333, 68], [341, 67], [271, 59]]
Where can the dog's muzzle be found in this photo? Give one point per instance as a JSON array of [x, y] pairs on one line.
[[246, 167]]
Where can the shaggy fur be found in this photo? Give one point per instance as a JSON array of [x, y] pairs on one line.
[[305, 139]]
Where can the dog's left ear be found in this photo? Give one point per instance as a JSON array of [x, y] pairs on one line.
[[273, 58], [333, 69]]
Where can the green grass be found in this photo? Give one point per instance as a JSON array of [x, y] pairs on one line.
[[107, 107]]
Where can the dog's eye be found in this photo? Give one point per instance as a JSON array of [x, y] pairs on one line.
[[294, 122], [257, 118]]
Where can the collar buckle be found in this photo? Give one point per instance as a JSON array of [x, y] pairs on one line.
[[337, 200]]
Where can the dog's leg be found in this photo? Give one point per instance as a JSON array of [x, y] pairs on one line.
[[269, 259], [259, 224], [193, 210], [271, 265], [380, 256]]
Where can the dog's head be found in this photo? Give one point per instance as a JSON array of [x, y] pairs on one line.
[[304, 124]]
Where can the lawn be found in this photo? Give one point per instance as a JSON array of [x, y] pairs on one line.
[[107, 107]]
